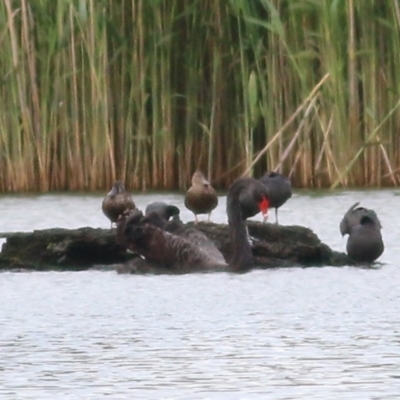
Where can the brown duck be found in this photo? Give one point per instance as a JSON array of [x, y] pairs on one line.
[[116, 202], [201, 197]]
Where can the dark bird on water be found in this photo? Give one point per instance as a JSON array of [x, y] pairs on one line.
[[116, 202], [186, 251], [353, 217], [365, 243], [279, 190], [201, 197]]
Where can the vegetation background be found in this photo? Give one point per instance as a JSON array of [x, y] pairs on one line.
[[149, 90]]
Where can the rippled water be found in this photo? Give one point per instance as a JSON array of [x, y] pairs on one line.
[[316, 333]]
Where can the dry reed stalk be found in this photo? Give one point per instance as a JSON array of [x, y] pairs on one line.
[[388, 163], [296, 135], [146, 91], [330, 159], [312, 94], [372, 136]]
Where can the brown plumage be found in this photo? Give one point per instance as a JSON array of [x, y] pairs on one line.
[[201, 197], [116, 202]]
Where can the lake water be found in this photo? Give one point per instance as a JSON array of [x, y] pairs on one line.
[[316, 333]]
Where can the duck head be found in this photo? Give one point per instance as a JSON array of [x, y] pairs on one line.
[[198, 179], [118, 187]]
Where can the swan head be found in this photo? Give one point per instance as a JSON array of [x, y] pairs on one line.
[[261, 197], [367, 220], [172, 211], [247, 197], [164, 210]]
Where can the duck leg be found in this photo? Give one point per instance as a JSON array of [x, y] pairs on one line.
[[196, 221], [276, 216], [209, 216]]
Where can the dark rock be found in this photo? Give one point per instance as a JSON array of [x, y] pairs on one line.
[[79, 249], [280, 246], [63, 249]]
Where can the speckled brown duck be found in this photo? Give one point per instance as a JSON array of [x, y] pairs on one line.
[[116, 202], [201, 198]]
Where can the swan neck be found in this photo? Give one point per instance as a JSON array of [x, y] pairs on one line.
[[242, 258]]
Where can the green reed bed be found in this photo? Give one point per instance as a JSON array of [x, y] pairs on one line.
[[149, 90]]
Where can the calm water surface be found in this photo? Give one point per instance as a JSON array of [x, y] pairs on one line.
[[317, 333]]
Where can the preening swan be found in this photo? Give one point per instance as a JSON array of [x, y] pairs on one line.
[[279, 190], [256, 195], [164, 210], [365, 243], [187, 250], [353, 217]]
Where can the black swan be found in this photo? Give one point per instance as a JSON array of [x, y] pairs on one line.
[[164, 210], [167, 246], [249, 206], [201, 197], [279, 190], [365, 242], [116, 202], [255, 193], [353, 217], [188, 250]]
